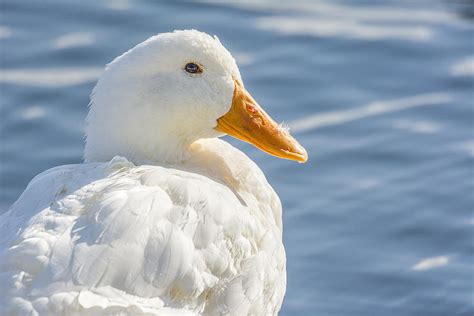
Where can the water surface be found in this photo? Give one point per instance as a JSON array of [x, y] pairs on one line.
[[380, 220]]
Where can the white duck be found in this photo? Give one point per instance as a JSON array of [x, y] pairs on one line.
[[163, 217]]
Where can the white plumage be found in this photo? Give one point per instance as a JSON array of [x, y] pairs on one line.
[[182, 226]]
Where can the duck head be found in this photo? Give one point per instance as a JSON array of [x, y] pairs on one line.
[[155, 100]]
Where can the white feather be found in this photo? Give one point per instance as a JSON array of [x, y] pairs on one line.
[[173, 229]]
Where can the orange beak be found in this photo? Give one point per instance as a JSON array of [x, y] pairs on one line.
[[247, 121]]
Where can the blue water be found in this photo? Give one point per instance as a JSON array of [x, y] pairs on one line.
[[380, 220]]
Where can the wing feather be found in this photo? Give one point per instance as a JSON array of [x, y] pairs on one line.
[[149, 240]]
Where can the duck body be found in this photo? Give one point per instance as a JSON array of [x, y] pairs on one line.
[[200, 238], [163, 217]]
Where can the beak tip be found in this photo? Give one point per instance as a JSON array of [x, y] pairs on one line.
[[302, 154], [303, 158]]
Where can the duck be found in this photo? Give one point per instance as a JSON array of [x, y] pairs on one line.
[[163, 217]]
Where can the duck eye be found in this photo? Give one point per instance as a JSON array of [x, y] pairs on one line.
[[193, 68]]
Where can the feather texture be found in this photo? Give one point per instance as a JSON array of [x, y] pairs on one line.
[[115, 238]]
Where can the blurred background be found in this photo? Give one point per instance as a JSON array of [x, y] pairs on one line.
[[380, 220]]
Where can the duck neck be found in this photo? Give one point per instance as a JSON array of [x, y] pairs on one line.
[[164, 150], [163, 153]]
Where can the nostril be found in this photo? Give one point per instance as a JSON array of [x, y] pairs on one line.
[[251, 109]]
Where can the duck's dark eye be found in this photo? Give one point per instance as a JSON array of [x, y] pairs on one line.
[[192, 68]]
